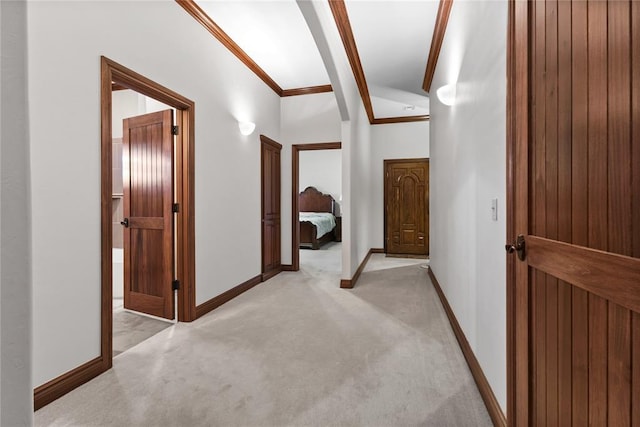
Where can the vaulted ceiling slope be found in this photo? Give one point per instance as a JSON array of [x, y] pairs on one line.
[[387, 42]]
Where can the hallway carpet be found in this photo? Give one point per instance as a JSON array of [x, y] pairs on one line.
[[130, 329], [294, 351]]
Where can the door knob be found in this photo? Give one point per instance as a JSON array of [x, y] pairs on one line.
[[125, 222], [518, 247]]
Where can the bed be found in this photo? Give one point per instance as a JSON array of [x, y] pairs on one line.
[[317, 218]]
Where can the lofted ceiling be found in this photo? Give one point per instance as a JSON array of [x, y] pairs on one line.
[[387, 41], [393, 39]]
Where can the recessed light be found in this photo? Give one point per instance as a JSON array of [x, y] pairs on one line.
[[409, 107]]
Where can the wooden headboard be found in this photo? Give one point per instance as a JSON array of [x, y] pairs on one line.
[[311, 200]]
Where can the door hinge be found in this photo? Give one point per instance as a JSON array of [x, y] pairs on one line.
[[175, 130], [175, 208], [175, 285]]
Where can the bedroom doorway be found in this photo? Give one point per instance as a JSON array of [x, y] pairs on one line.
[[316, 195]]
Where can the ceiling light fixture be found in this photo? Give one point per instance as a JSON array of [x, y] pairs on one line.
[[447, 94], [246, 128]]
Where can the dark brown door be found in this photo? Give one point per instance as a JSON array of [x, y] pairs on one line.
[[148, 200], [406, 190], [270, 159], [576, 303]]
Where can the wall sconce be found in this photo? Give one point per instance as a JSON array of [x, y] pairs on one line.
[[246, 128], [447, 94]]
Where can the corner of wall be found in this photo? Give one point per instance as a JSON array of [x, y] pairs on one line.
[[468, 170], [16, 405]]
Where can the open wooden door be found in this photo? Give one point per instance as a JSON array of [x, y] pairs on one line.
[[575, 284], [148, 216], [406, 200], [271, 246]]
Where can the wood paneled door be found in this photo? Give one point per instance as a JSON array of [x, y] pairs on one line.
[[406, 206], [270, 170], [574, 299], [148, 215]]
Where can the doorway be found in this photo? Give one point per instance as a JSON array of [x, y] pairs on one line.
[[143, 236], [317, 189], [406, 207], [180, 272]]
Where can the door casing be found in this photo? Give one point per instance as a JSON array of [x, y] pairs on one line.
[[295, 183], [113, 73]]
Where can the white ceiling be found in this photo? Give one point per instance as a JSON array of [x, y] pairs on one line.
[[393, 40], [275, 35], [392, 36]]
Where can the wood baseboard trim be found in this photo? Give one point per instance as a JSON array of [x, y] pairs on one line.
[[287, 267], [490, 401], [227, 296], [268, 275], [350, 283], [58, 387], [346, 283]]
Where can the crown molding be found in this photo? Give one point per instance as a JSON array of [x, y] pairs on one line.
[[340, 15], [205, 20], [400, 119], [306, 90], [201, 16], [444, 10]]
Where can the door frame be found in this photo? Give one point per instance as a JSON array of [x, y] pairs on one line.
[[517, 143], [385, 162], [295, 182], [111, 74]]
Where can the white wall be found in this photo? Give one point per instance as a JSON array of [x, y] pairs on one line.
[[310, 118], [128, 103], [468, 157], [303, 119], [361, 187], [124, 103], [392, 141], [16, 391], [322, 169], [355, 133], [177, 52]]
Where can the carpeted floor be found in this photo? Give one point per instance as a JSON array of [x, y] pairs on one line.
[[294, 351], [130, 329]]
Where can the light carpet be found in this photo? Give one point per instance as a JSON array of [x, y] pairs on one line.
[[130, 329], [294, 351]]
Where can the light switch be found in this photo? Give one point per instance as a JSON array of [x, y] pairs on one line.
[[494, 209]]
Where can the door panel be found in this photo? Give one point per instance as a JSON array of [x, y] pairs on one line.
[[148, 200], [271, 246], [407, 206], [579, 288]]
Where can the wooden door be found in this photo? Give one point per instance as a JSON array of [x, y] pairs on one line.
[[406, 192], [575, 309], [270, 160], [148, 202]]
